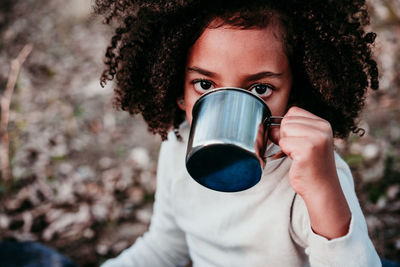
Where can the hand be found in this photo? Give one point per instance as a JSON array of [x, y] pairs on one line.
[[308, 140]]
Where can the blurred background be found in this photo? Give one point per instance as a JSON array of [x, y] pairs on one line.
[[81, 175]]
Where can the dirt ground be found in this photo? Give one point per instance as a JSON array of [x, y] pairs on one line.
[[83, 174]]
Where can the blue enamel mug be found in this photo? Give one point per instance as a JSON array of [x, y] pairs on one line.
[[228, 138]]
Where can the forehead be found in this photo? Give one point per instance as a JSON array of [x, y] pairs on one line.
[[269, 20], [273, 32], [251, 47]]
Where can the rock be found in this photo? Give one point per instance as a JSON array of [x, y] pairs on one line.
[[148, 181], [85, 172], [381, 203], [375, 172], [65, 193], [371, 151], [144, 215], [135, 195], [393, 191], [100, 212], [67, 224], [88, 233], [140, 157], [373, 222], [120, 246], [76, 9], [4, 221], [102, 249], [105, 162], [65, 168]]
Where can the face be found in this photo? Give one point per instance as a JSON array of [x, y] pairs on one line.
[[252, 59]]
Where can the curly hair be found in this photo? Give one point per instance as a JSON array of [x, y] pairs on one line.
[[328, 49]]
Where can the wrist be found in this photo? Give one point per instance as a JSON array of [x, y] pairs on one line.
[[329, 212]]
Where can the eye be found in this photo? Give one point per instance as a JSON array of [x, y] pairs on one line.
[[203, 85], [261, 89]]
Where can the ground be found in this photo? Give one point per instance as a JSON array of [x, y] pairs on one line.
[[83, 174]]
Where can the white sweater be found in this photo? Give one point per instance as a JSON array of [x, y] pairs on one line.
[[266, 225]]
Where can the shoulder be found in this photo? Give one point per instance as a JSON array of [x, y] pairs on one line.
[[172, 147], [171, 158]]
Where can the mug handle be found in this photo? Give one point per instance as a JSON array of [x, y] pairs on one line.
[[273, 121]]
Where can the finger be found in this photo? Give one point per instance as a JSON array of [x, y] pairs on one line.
[[299, 149], [304, 130], [296, 111], [315, 122], [299, 127], [291, 145]]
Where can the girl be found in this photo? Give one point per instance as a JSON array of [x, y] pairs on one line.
[[310, 61]]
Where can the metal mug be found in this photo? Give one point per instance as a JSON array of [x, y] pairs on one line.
[[228, 138]]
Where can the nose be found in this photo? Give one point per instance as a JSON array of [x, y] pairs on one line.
[[233, 85]]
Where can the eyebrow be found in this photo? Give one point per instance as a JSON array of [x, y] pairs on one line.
[[252, 77], [202, 71], [261, 75]]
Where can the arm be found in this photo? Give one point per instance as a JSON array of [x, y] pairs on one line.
[[326, 217], [164, 244], [353, 249], [308, 141]]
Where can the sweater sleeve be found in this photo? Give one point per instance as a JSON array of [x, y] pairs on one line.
[[353, 249], [165, 243]]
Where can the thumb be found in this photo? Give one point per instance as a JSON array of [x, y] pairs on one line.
[[274, 135]]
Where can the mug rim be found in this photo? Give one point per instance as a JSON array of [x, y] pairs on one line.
[[230, 89]]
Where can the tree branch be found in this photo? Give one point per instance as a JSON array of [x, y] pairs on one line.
[[16, 65]]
